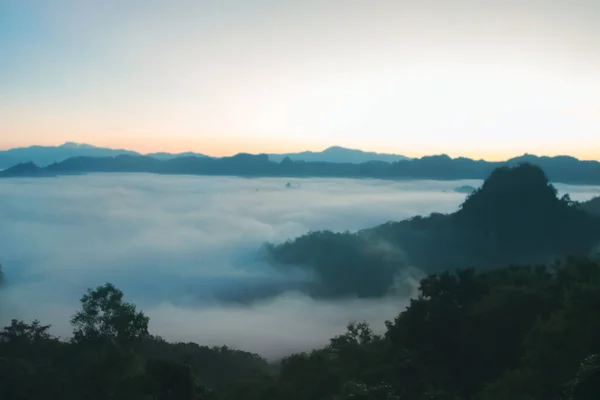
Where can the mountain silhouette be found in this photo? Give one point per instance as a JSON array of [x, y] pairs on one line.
[[338, 154], [169, 156], [515, 217], [592, 206], [46, 155], [28, 169], [438, 167]]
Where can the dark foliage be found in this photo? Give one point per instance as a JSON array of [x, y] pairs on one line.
[[592, 206], [513, 333], [529, 332], [112, 356]]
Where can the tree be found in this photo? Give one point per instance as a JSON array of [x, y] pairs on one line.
[[167, 380], [105, 317], [107, 334], [20, 331]]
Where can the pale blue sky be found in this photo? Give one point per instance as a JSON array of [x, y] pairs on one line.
[[487, 79]]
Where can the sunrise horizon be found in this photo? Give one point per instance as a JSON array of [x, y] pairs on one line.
[[212, 151], [480, 81]]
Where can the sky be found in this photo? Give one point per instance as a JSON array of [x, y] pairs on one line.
[[484, 79]]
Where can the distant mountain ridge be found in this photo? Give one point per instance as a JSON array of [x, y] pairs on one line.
[[440, 167], [46, 155], [43, 156], [337, 154], [27, 169]]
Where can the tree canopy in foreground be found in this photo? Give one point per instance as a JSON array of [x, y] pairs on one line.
[[521, 332]]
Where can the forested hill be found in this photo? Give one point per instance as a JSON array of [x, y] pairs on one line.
[[523, 333], [592, 206], [442, 167], [514, 218]]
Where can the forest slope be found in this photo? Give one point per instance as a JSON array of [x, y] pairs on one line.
[[515, 217]]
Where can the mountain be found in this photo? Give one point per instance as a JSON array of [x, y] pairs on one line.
[[28, 169], [73, 145], [337, 154], [592, 206], [46, 155], [514, 218], [438, 167], [169, 156]]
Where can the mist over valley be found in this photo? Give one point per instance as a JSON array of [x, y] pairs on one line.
[[188, 250]]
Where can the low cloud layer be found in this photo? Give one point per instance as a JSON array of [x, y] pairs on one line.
[[175, 244]]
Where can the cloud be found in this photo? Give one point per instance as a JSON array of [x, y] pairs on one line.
[[178, 246], [578, 192]]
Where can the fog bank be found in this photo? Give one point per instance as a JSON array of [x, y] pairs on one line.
[[178, 246]]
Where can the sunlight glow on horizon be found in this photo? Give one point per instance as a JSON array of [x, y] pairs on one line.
[[221, 78], [216, 149]]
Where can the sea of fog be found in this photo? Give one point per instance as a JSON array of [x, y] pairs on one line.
[[173, 244]]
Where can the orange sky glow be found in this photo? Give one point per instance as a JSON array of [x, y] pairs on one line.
[[413, 78]]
